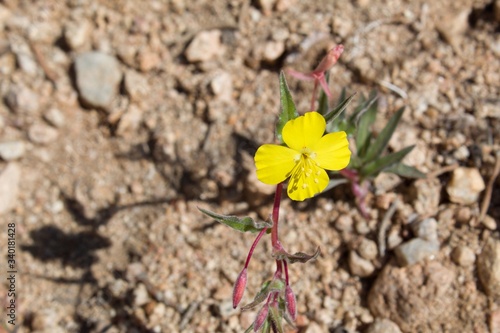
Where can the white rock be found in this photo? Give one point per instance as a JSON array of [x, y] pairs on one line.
[[42, 134], [55, 117], [11, 150], [426, 229], [368, 249], [76, 34], [206, 45], [22, 100], [465, 186], [136, 85], [463, 256], [9, 187], [415, 250], [488, 267], [359, 266], [273, 50], [222, 86]]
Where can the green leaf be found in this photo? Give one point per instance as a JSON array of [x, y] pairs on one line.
[[241, 224], [339, 109], [296, 257], [276, 318], [250, 329], [404, 170], [323, 99], [378, 146], [366, 119], [334, 183], [260, 297], [288, 110], [374, 167]]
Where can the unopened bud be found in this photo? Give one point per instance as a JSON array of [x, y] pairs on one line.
[[291, 304], [330, 59], [239, 287], [261, 318]]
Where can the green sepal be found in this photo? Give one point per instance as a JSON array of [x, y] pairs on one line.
[[267, 288], [266, 328], [276, 318], [404, 170], [373, 168], [243, 224], [288, 110], [296, 257], [378, 146]]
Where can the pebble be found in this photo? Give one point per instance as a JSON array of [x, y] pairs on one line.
[[54, 117], [76, 34], [205, 46], [463, 256], [344, 223], [42, 134], [415, 250], [272, 50], [9, 187], [488, 267], [465, 186], [22, 100], [136, 85], [359, 266], [11, 150], [426, 229], [141, 296], [222, 86], [130, 121], [383, 325], [98, 76], [426, 194], [148, 60], [368, 249], [489, 222]]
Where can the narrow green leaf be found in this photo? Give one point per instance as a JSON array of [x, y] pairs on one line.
[[404, 170], [276, 318], [339, 109], [378, 146], [250, 329], [288, 110], [323, 99], [260, 297], [334, 183], [366, 119], [241, 224], [374, 167]]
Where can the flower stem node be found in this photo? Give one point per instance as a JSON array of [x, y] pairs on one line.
[[304, 159]]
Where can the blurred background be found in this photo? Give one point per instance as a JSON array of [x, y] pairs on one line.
[[119, 118]]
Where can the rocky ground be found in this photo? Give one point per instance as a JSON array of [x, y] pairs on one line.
[[119, 118]]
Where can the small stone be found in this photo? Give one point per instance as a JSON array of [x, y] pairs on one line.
[[489, 222], [426, 229], [9, 187], [362, 227], [463, 215], [426, 193], [222, 86], [272, 50], [415, 250], [54, 117], [266, 6], [205, 46], [42, 134], [465, 186], [367, 249], [359, 266], [148, 60], [141, 296], [22, 100], [98, 77], [463, 256], [383, 325], [393, 239], [344, 223], [136, 85], [11, 150], [386, 182], [76, 34], [488, 267], [452, 25], [130, 121]]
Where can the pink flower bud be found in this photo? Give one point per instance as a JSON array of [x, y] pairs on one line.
[[291, 304], [261, 318], [330, 59], [239, 287]]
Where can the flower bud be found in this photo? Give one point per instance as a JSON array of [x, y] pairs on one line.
[[330, 59], [291, 304], [239, 287], [261, 318]]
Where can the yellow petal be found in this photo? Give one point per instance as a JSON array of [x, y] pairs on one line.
[[304, 131], [307, 180], [332, 151], [274, 163]]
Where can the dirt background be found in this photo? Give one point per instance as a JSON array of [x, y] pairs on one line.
[[104, 193]]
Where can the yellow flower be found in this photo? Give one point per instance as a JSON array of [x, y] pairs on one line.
[[305, 159]]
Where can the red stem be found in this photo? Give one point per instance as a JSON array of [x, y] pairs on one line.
[[255, 242]]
